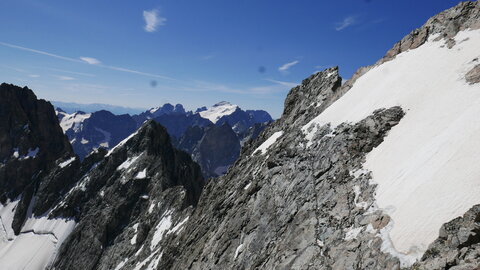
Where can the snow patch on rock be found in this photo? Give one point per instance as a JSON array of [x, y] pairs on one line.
[[266, 144]]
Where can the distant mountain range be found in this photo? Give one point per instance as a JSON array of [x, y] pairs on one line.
[[72, 107], [212, 136]]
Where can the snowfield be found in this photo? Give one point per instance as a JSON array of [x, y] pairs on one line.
[[37, 244], [427, 168], [73, 121], [218, 110]]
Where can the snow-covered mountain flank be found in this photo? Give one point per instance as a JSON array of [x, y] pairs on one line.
[[376, 173]]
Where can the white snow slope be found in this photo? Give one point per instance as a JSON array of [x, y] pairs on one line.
[[37, 244], [218, 110], [427, 168]]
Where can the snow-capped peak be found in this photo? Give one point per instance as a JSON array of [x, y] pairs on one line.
[[74, 120], [218, 110]]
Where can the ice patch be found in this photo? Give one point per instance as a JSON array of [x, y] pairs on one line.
[[142, 174], [238, 251], [133, 241], [151, 207], [127, 163], [66, 162], [121, 264], [162, 227], [266, 144]]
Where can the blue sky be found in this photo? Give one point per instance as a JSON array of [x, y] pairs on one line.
[[146, 53]]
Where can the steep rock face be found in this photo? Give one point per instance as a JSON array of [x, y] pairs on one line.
[[37, 166], [278, 210], [128, 200], [303, 195], [31, 142], [177, 124], [30, 138], [217, 150], [458, 244], [304, 102]]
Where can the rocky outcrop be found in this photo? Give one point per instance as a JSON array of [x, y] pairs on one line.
[[294, 207], [218, 149], [458, 244], [31, 145], [138, 183], [473, 76], [290, 208], [304, 102]]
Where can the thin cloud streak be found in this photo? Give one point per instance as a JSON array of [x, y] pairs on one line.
[[347, 22], [40, 52], [285, 67], [84, 62], [67, 71], [286, 84], [90, 60], [65, 78]]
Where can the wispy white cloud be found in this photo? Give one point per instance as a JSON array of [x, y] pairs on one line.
[[85, 62], [138, 72], [260, 90], [152, 20], [65, 78], [39, 52], [286, 84], [285, 67], [207, 57], [34, 76], [67, 71], [348, 21], [90, 60]]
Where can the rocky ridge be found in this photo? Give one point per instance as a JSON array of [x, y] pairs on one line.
[[297, 207]]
